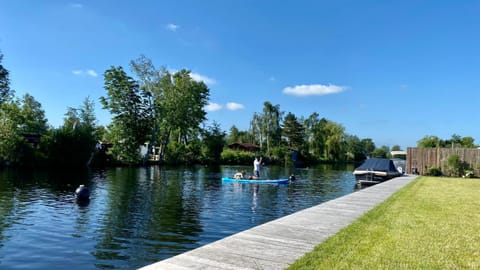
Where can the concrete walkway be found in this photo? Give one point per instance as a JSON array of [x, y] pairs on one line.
[[279, 243]]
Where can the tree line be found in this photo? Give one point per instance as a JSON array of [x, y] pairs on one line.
[[164, 112]]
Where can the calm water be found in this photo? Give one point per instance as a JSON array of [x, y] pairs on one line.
[[137, 216]]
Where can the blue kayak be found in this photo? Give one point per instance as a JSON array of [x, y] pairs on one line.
[[255, 181]]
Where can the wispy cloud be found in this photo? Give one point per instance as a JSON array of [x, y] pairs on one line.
[[172, 27], [213, 107], [233, 106], [314, 90], [202, 78], [88, 72], [76, 5]]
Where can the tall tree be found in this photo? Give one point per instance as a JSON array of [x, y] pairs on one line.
[[131, 114], [354, 148], [368, 146], [10, 139], [334, 141], [271, 124], [183, 103], [5, 92], [213, 141], [293, 131], [149, 79], [33, 116]]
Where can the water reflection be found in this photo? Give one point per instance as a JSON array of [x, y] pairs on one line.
[[137, 216]]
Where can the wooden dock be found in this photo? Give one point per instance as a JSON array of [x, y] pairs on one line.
[[279, 243]]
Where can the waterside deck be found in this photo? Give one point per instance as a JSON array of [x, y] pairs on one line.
[[279, 243]]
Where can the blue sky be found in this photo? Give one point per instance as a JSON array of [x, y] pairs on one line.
[[392, 71]]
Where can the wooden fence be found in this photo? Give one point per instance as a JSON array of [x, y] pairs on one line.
[[420, 159]]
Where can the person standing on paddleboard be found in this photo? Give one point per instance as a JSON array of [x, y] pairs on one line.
[[256, 167]]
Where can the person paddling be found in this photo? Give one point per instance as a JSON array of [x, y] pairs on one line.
[[256, 167]]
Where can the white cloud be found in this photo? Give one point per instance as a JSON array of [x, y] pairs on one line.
[[89, 72], [172, 27], [92, 73], [313, 90], [202, 78], [232, 106], [76, 5], [212, 107]]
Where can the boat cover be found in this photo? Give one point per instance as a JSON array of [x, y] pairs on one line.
[[378, 164]]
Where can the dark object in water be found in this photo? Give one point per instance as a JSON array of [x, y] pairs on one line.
[[292, 178], [82, 193]]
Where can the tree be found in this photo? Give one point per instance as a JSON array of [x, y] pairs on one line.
[[430, 142], [33, 116], [182, 101], [149, 79], [73, 143], [265, 127], [234, 135], [271, 118], [396, 148], [293, 131], [354, 148], [213, 141], [368, 146], [334, 141], [10, 139], [131, 114], [5, 92], [382, 152]]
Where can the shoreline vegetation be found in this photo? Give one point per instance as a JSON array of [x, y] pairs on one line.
[[164, 114], [432, 223], [155, 111]]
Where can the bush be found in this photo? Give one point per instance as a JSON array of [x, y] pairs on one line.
[[232, 157], [434, 171], [455, 166]]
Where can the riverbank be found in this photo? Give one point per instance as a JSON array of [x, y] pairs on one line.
[[431, 224], [279, 243]]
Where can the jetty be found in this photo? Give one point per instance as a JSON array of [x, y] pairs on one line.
[[279, 243]]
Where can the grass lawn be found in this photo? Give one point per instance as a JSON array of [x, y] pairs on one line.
[[433, 223]]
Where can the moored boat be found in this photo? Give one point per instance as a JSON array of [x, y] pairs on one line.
[[375, 170]]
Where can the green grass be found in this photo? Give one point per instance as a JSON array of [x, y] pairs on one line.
[[433, 223]]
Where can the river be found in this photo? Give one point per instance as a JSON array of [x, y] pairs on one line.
[[137, 216]]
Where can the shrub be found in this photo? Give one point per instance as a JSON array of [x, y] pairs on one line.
[[434, 171], [455, 166]]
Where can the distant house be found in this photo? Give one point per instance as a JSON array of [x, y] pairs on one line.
[[248, 147]]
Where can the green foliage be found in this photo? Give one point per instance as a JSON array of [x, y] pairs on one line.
[[131, 115], [354, 148], [68, 147], [434, 171], [382, 152], [10, 139], [213, 141], [281, 155], [5, 92], [33, 116], [265, 127], [396, 148], [294, 132], [175, 153], [233, 157], [456, 141], [455, 166]]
